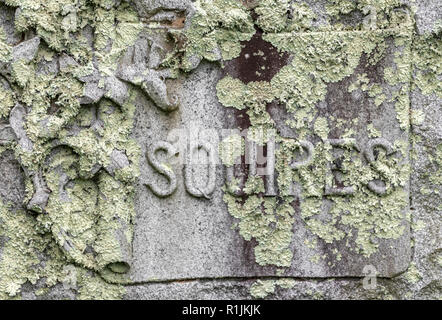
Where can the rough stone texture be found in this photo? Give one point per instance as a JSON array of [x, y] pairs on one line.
[[428, 15], [11, 178], [183, 237]]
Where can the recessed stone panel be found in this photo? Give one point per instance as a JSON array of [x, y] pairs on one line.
[[344, 179]]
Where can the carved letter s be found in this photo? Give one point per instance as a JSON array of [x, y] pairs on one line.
[[162, 169]]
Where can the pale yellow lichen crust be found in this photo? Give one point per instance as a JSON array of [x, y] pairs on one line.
[[86, 209]]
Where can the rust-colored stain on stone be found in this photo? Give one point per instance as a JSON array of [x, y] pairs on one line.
[[259, 61]]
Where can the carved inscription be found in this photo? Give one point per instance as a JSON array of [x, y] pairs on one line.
[[190, 168], [161, 168], [201, 161]]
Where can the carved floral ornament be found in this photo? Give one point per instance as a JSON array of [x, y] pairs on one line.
[[71, 116], [72, 90]]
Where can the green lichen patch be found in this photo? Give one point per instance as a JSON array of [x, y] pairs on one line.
[[81, 155], [215, 33], [427, 57], [6, 101], [30, 255], [412, 275], [5, 48], [263, 288], [230, 149]]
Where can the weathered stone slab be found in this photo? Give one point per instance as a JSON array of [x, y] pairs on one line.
[[349, 208], [333, 106]]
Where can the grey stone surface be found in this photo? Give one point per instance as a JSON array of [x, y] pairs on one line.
[[11, 180], [428, 15], [162, 10]]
